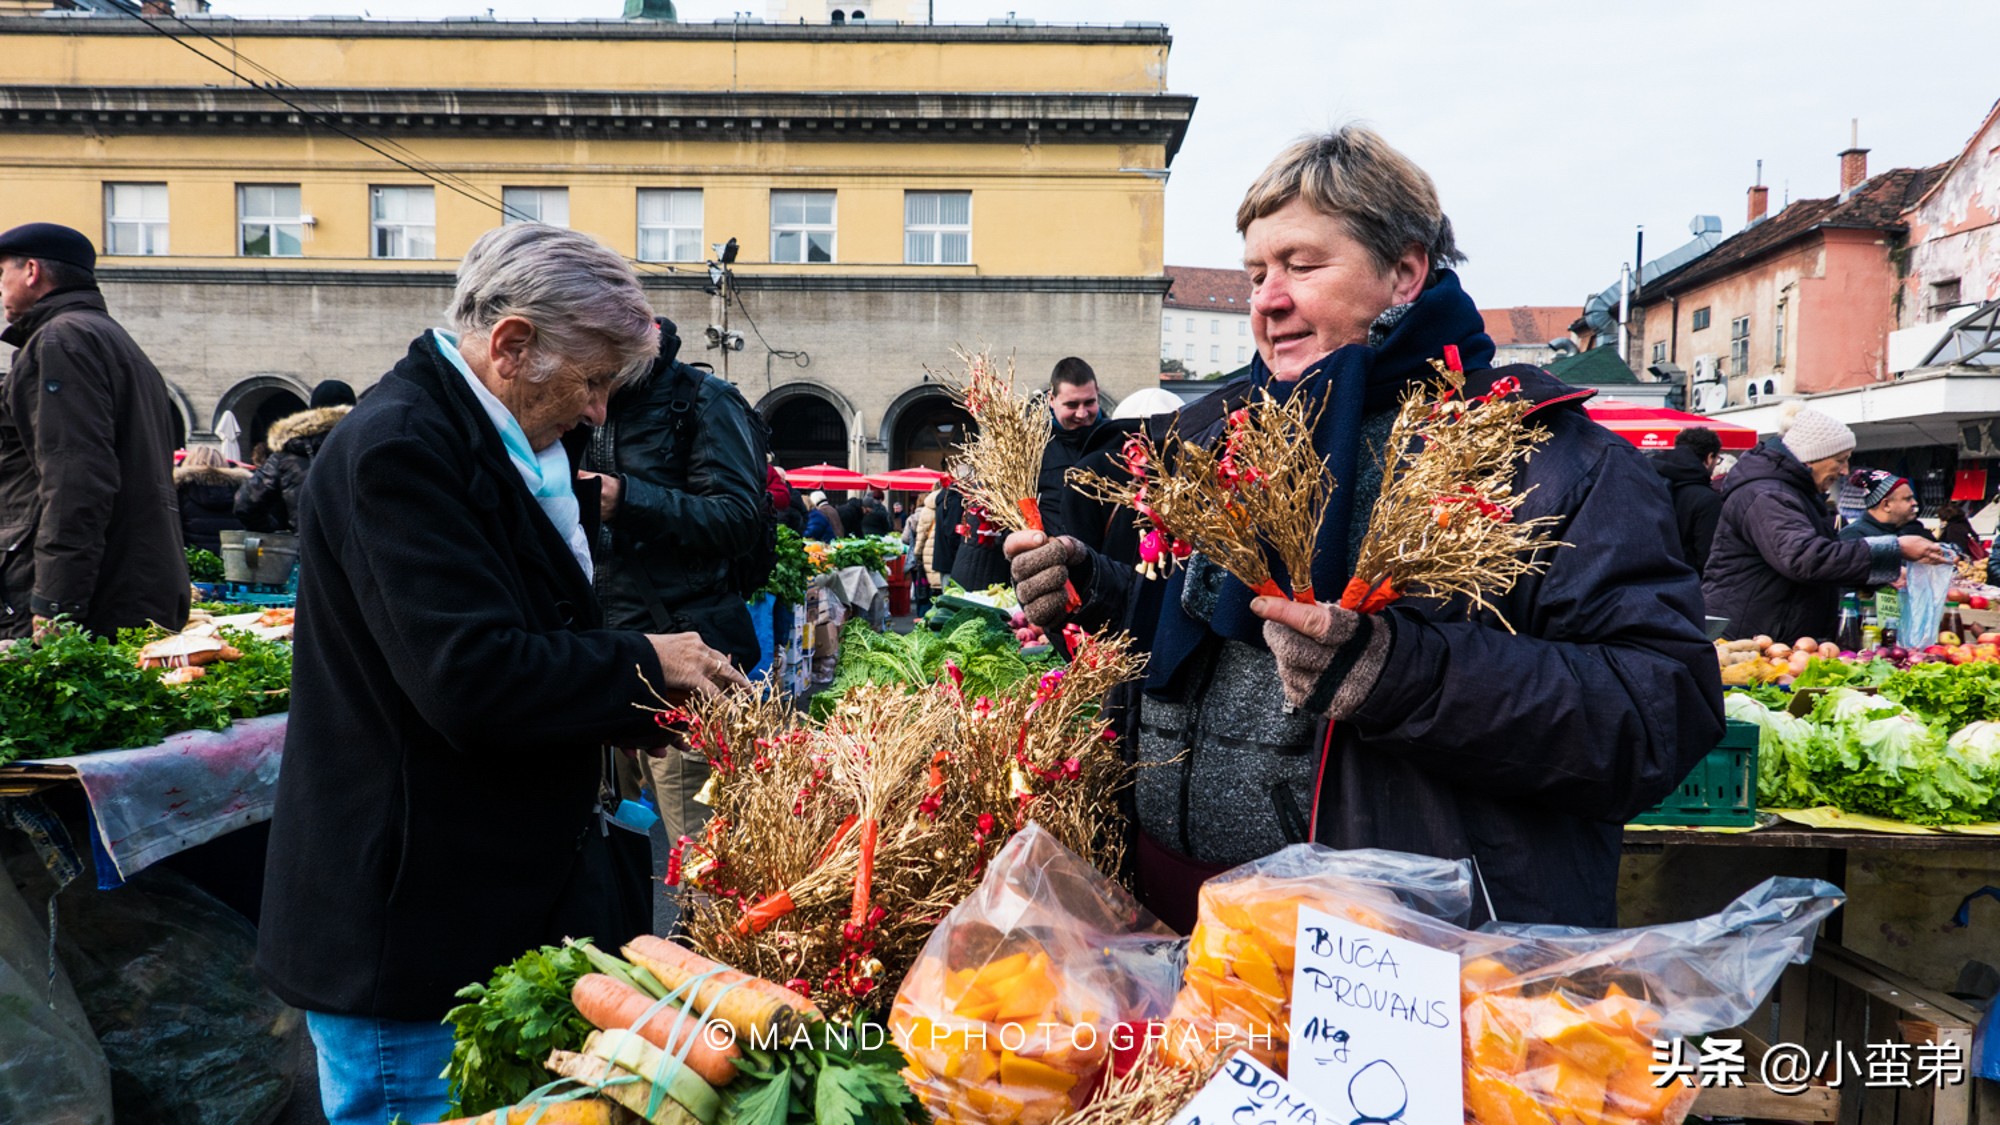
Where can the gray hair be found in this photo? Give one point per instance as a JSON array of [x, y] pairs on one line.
[[583, 299], [1388, 203]]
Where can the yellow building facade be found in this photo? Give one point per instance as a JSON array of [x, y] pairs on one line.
[[279, 202]]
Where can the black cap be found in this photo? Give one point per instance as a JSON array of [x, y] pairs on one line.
[[51, 241], [332, 392]]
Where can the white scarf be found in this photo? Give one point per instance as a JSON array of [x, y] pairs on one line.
[[546, 473]]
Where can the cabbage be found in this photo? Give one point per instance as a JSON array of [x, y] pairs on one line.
[[1895, 765], [1784, 753], [1977, 750]]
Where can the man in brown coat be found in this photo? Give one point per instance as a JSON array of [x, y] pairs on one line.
[[89, 525]]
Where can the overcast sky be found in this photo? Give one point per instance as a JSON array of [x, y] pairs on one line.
[[1553, 129]]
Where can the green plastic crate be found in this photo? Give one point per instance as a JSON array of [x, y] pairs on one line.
[[1721, 790]]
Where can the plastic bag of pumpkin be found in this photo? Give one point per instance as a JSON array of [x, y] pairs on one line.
[[1559, 1023], [1013, 1010]]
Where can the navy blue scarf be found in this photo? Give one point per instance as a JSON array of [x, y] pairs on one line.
[[1355, 382]]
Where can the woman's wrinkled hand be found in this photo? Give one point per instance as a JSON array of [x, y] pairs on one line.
[[687, 664]]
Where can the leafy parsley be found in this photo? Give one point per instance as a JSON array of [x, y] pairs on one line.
[[507, 1026], [837, 1080]]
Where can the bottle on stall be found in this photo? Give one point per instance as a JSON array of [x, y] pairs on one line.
[[1951, 623], [1871, 629], [1847, 627]]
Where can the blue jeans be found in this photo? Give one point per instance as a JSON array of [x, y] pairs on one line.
[[370, 1069]]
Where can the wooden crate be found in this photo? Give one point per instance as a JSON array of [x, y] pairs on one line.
[[1841, 997]]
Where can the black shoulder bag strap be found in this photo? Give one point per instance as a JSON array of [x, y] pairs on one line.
[[687, 387]]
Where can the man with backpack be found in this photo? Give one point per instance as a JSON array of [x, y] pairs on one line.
[[687, 528]]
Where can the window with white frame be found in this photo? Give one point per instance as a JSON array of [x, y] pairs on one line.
[[937, 227], [1214, 326], [268, 221], [1190, 353], [1215, 353], [1778, 337], [670, 224], [1242, 328], [1660, 352], [802, 226], [1739, 346], [1242, 354], [1166, 351], [1166, 322], [535, 205], [404, 222], [1190, 324], [135, 219]]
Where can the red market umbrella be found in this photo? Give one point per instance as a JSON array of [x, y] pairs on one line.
[[826, 476], [1654, 427], [908, 480]]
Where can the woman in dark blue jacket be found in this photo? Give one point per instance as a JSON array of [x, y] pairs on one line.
[[1429, 727]]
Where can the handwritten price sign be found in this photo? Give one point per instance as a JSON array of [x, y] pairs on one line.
[[1375, 1035], [1246, 1092]]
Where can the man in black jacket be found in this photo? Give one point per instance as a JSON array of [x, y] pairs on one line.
[[1689, 469], [681, 496], [453, 684], [1073, 417], [89, 522]]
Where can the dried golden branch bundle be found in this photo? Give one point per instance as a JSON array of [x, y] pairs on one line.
[[1444, 523], [1261, 488], [999, 467], [1153, 1092], [836, 847]]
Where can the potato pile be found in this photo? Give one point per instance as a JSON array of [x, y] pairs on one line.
[[1761, 660]]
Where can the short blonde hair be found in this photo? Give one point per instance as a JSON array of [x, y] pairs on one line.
[[1388, 203], [204, 457]]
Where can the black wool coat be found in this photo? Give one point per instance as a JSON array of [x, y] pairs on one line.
[[451, 689], [1697, 505]]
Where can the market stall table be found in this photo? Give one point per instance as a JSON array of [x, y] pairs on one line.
[[151, 802], [1841, 997]]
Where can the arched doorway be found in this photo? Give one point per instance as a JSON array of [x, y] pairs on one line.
[[258, 402], [806, 430], [928, 432]]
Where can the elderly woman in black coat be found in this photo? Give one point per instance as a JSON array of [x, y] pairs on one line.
[[441, 807]]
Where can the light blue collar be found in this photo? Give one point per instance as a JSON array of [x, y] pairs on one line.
[[546, 473]]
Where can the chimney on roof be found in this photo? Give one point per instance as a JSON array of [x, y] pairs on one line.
[[158, 9], [1853, 161], [1760, 198]]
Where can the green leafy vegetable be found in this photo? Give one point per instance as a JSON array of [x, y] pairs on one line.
[[792, 570], [72, 693], [987, 656], [872, 552], [507, 1026], [204, 566], [847, 1074]]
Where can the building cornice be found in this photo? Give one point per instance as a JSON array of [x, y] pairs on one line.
[[790, 117], [1140, 33], [693, 280]]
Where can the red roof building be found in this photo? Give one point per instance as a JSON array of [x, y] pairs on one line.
[[1205, 320]]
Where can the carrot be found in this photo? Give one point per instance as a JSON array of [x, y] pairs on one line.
[[755, 1005], [591, 1111], [635, 1096], [614, 1005]]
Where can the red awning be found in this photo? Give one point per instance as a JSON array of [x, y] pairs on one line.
[[826, 476], [908, 480], [1654, 427]]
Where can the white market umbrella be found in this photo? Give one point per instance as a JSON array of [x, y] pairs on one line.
[[228, 430]]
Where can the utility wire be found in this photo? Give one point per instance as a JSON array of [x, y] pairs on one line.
[[278, 85]]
